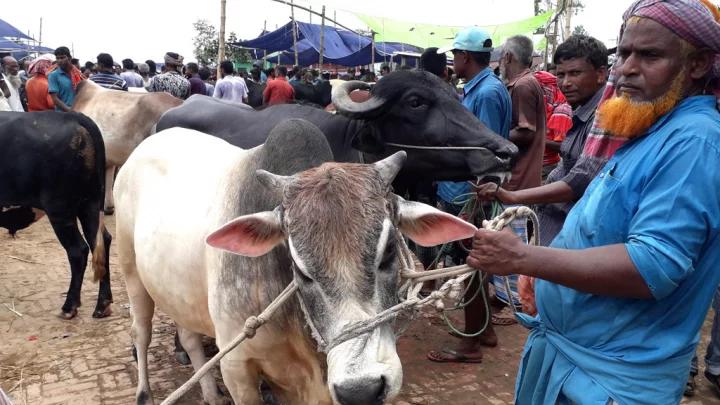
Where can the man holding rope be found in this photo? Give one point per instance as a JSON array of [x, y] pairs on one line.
[[624, 288]]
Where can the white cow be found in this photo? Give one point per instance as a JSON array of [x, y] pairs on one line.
[[333, 229]]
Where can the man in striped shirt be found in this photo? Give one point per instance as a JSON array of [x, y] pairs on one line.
[[105, 76]]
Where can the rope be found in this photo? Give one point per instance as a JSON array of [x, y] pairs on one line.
[[400, 145], [251, 325], [451, 289]]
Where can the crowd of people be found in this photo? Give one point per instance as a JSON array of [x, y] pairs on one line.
[[620, 162]]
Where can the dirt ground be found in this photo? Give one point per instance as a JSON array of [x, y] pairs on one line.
[[45, 360]]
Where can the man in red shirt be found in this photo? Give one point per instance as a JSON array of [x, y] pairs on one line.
[[37, 87], [278, 91]]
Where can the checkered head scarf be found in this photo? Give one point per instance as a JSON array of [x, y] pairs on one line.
[[695, 21]]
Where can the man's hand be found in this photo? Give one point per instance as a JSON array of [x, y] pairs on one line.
[[500, 253], [491, 191]]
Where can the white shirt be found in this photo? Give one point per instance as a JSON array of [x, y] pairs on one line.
[[232, 88], [14, 99]]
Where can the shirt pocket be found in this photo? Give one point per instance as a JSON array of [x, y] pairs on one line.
[[604, 221]]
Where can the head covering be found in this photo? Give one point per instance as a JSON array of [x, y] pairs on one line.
[[470, 39], [691, 20], [41, 65], [173, 59], [558, 112]]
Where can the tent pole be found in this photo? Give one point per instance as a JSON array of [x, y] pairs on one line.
[[322, 37], [294, 30], [221, 40], [372, 51], [311, 13]]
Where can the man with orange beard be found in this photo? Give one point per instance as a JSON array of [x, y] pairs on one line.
[[624, 288]]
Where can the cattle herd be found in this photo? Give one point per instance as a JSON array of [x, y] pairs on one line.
[[224, 206]]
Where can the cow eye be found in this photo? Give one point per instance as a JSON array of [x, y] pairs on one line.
[[415, 102], [389, 256]]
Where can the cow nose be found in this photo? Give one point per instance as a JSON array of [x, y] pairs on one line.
[[508, 152], [361, 392]]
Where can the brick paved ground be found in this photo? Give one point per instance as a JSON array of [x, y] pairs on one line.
[[44, 360]]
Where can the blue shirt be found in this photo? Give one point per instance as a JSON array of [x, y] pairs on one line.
[[487, 98], [61, 84], [658, 195]]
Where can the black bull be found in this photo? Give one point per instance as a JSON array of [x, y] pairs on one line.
[[405, 108], [55, 162]]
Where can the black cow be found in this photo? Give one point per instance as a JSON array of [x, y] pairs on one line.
[[314, 94], [405, 108], [55, 162]]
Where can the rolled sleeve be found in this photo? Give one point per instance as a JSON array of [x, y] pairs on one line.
[[583, 172], [676, 215]]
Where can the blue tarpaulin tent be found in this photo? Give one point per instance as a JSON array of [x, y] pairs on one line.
[[8, 31], [340, 47]]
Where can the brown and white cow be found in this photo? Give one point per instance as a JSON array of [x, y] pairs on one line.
[[125, 119], [333, 228]]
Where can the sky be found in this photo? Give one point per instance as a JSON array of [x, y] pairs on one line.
[[146, 29]]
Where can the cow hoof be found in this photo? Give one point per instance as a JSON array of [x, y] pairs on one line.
[[68, 315], [182, 358], [102, 313], [109, 211]]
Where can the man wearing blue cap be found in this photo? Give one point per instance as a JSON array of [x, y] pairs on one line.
[[485, 96]]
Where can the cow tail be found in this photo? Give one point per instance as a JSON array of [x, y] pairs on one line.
[[100, 267]]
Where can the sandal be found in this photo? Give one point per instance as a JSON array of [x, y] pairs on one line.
[[453, 356]]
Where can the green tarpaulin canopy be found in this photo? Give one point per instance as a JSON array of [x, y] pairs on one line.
[[427, 35]]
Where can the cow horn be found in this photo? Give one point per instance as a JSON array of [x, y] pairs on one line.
[[390, 166], [273, 181], [346, 106]]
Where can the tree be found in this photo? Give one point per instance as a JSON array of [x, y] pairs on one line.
[[206, 46], [205, 42], [580, 30]]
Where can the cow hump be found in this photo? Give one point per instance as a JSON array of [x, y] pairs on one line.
[[294, 145]]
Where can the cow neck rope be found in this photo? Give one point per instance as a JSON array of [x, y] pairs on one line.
[[451, 289]]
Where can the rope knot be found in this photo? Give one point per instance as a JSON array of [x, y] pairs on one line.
[[251, 326]]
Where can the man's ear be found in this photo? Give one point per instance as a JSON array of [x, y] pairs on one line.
[[249, 235], [701, 62]]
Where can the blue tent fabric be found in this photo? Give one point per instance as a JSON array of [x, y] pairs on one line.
[[8, 31], [340, 47]]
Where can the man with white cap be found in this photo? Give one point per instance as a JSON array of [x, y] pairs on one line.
[[485, 96]]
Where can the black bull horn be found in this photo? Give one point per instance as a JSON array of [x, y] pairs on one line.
[[346, 106]]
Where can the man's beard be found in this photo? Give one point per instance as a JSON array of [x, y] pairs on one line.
[[14, 80], [622, 117]]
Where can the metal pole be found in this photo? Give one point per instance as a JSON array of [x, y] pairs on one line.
[[221, 41], [322, 37], [40, 36], [372, 51], [294, 30]]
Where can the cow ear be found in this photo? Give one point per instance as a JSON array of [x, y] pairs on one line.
[[249, 235], [367, 140], [428, 226]]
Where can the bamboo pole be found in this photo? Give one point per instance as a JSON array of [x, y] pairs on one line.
[[221, 40], [316, 13], [294, 30], [372, 52], [322, 37]]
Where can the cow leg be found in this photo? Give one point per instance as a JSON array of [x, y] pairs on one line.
[[180, 354], [77, 250], [109, 181], [192, 343], [241, 378], [142, 308], [89, 220]]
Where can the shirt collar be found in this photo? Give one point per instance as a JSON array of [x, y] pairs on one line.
[[477, 79], [518, 77], [690, 102], [585, 111]]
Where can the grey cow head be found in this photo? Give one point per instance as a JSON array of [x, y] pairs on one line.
[[417, 108], [341, 222]]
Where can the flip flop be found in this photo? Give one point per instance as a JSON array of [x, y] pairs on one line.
[[452, 356], [503, 321]]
